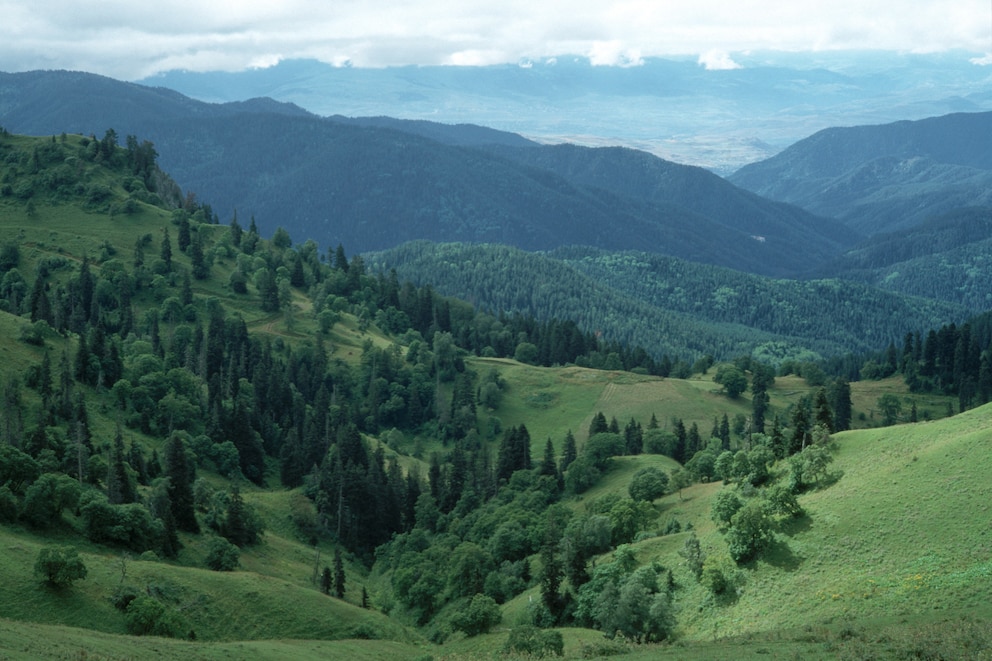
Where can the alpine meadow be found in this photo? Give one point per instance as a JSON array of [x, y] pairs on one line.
[[442, 392]]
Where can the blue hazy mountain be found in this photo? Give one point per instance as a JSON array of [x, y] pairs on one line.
[[673, 108]]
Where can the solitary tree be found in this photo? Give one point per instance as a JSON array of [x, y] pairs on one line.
[[732, 379], [59, 566], [648, 484]]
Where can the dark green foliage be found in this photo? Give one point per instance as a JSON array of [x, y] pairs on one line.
[[59, 566], [479, 616], [648, 484], [147, 616], [180, 473], [339, 577], [326, 580], [534, 642], [129, 526], [222, 555], [45, 499], [732, 379], [17, 469]]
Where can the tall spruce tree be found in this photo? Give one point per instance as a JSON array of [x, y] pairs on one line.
[[180, 490]]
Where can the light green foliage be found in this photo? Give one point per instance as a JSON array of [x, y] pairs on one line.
[[628, 517], [725, 506], [890, 407], [59, 566], [810, 467], [693, 555], [623, 599], [717, 574], [750, 531]]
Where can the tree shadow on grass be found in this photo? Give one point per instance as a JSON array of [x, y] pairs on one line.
[[778, 554], [795, 525]]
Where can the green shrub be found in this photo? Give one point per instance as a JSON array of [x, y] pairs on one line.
[[59, 566], [147, 616], [534, 642], [222, 555], [481, 615]]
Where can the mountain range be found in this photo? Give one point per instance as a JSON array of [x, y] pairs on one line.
[[373, 184], [901, 208]]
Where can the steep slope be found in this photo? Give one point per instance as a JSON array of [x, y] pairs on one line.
[[882, 178], [371, 187]]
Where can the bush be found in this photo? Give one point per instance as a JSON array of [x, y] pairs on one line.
[[222, 555], [534, 642], [648, 484], [147, 616], [59, 566], [481, 615]]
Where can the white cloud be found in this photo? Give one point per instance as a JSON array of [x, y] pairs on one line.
[[128, 39], [717, 60]]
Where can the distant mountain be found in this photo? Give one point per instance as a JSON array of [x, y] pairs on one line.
[[372, 184], [671, 107], [883, 178]]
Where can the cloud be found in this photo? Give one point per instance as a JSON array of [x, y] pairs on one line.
[[982, 61], [717, 60], [130, 40]]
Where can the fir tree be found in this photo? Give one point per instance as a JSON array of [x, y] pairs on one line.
[[338, 574], [180, 490], [569, 452]]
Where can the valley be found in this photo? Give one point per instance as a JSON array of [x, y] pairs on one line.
[[260, 446]]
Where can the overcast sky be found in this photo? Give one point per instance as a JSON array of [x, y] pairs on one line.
[[132, 39]]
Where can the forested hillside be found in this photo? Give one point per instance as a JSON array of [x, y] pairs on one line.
[[882, 178], [671, 306], [214, 436]]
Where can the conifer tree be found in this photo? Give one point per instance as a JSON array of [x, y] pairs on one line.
[[569, 452], [338, 574], [166, 251], [325, 580], [180, 489]]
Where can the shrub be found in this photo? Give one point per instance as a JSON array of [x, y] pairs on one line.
[[147, 616], [222, 555], [59, 566], [534, 642], [648, 484], [481, 615]]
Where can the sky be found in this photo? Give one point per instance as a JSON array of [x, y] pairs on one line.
[[131, 40]]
